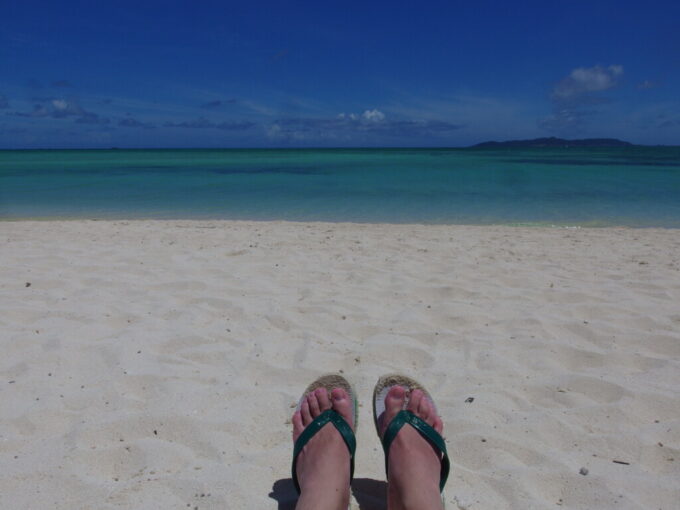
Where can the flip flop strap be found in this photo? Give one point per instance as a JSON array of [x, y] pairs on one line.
[[425, 430], [332, 416]]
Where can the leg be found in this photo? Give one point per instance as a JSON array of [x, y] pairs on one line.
[[323, 465], [413, 464]]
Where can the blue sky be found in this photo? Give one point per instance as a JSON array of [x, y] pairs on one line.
[[335, 74]]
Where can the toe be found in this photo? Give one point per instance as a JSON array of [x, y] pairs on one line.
[[322, 398], [306, 415], [298, 427], [438, 425], [313, 405], [343, 405], [394, 402], [426, 411], [414, 401]]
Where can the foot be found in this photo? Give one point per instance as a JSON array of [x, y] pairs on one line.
[[323, 464], [413, 464]]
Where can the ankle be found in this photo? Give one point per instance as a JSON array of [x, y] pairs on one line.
[[326, 497], [413, 496], [413, 475], [327, 480]]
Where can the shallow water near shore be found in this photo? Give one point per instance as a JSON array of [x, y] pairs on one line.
[[636, 186]]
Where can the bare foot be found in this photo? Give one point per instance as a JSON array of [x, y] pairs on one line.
[[413, 464], [323, 465]]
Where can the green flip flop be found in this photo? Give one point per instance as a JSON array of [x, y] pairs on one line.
[[403, 417], [328, 382]]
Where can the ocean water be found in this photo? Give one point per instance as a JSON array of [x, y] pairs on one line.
[[636, 186]]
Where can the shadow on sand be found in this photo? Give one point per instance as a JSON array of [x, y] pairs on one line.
[[368, 493]]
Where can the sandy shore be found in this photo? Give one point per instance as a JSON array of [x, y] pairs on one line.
[[154, 364]]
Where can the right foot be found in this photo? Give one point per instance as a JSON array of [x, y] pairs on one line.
[[324, 463], [414, 465]]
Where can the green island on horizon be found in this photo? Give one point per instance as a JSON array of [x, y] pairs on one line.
[[555, 142]]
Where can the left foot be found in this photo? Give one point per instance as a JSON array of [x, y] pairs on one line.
[[323, 464]]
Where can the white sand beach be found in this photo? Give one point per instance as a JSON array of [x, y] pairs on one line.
[[155, 364]]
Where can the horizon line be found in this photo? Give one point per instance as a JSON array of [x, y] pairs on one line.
[[311, 148]]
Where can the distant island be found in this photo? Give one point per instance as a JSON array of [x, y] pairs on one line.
[[554, 142]]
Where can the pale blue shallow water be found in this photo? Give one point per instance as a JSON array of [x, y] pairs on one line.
[[637, 186]]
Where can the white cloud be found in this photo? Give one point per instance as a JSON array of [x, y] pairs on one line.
[[59, 104], [577, 97], [584, 80], [348, 116], [373, 115], [64, 108]]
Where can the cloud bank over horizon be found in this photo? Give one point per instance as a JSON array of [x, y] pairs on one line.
[[576, 100]]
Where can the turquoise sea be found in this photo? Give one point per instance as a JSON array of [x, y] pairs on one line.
[[631, 186]]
